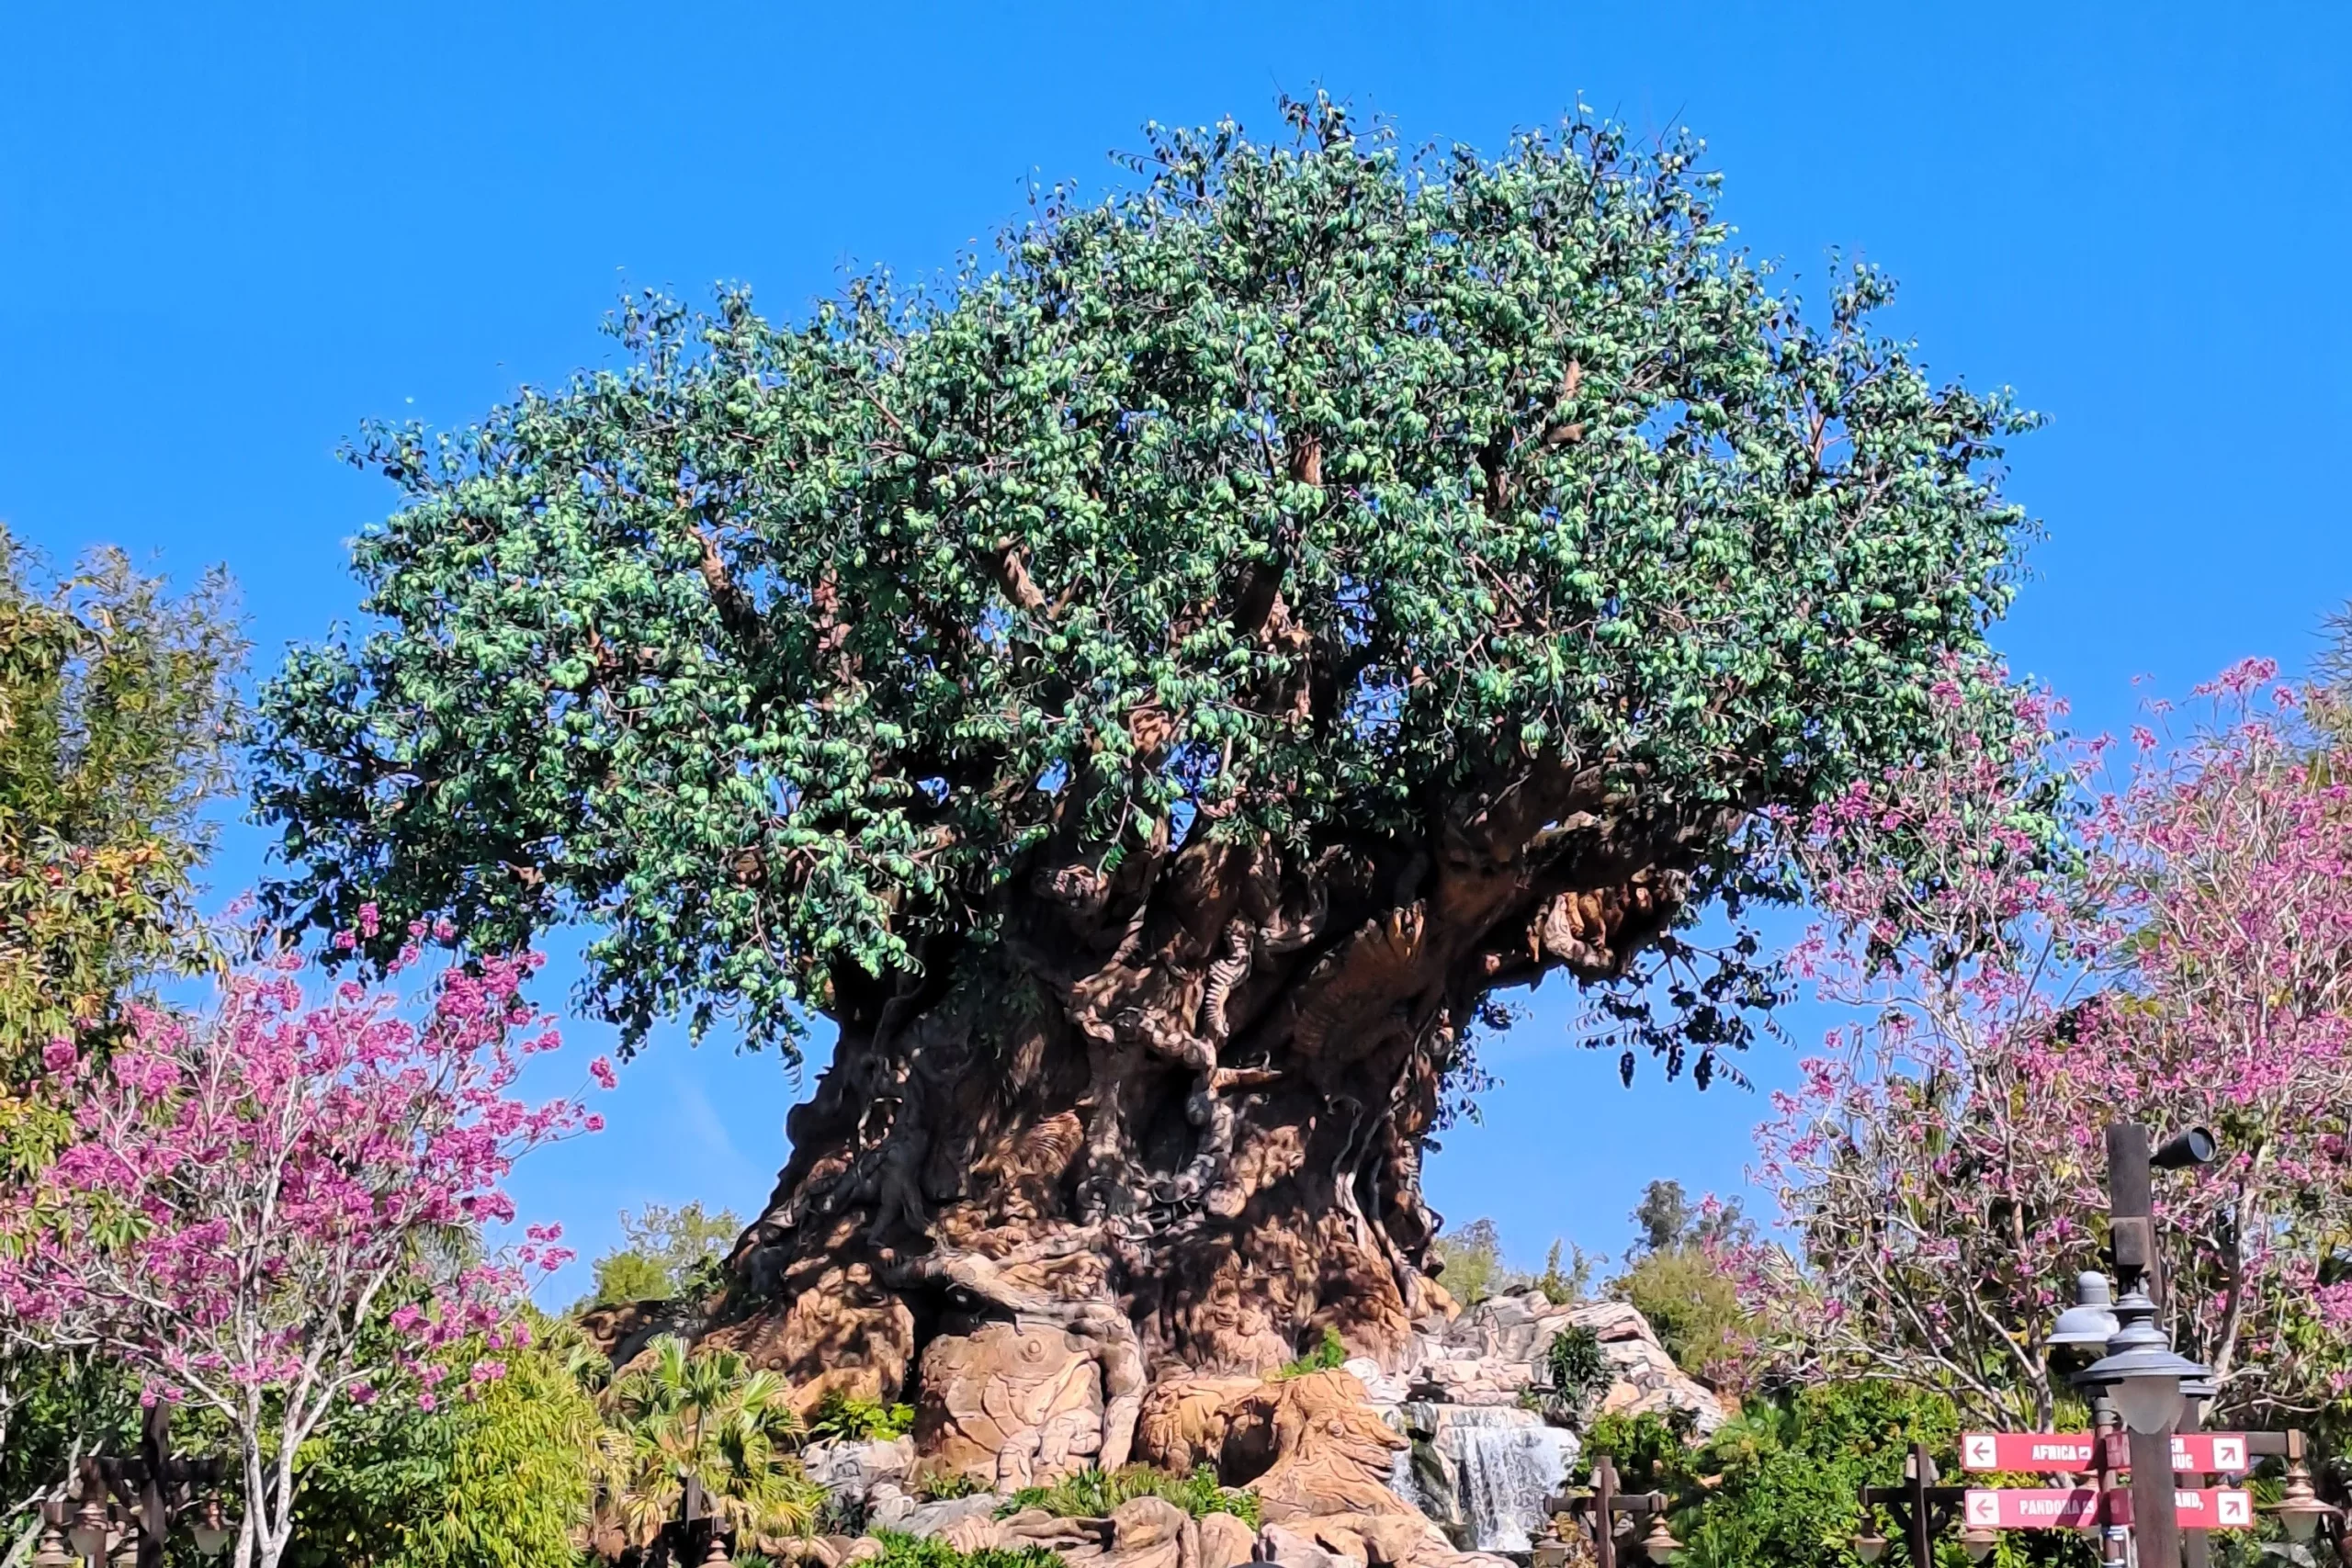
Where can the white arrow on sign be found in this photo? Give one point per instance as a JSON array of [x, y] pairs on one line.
[[1982, 1448], [1985, 1509], [2228, 1453], [2234, 1508]]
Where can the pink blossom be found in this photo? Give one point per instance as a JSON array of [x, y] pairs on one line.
[[601, 1069], [286, 1153], [2183, 956]]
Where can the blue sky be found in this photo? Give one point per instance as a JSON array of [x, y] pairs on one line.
[[229, 232]]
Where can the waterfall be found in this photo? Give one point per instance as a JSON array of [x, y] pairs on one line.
[[1501, 1464]]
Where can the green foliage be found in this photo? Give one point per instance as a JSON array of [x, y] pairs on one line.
[[499, 1479], [664, 1254], [1694, 1307], [1289, 494], [711, 1417], [941, 1483], [1574, 1362], [843, 1416], [906, 1551], [1652, 1453], [118, 708], [1778, 1485], [1576, 1372], [1471, 1262], [1094, 1493], [1561, 1284], [49, 1404], [1329, 1352]]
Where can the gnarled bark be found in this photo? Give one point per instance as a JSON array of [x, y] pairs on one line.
[[1176, 1112]]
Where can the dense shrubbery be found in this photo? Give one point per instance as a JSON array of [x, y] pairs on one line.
[[1576, 1371], [1329, 1353], [842, 1416], [1094, 1493], [1472, 1267], [1776, 1485], [499, 1479], [906, 1551]]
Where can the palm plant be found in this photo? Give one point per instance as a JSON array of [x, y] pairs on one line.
[[681, 1421]]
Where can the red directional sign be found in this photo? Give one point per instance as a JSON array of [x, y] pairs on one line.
[[2215, 1508], [2219, 1453], [2032, 1508], [2215, 1453], [2073, 1507], [2071, 1451]]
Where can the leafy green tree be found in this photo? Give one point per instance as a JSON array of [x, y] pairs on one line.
[[1471, 1262], [1676, 1275], [664, 1253], [117, 713], [1692, 1302], [707, 1418], [1778, 1485], [117, 710], [1562, 1283], [1148, 695], [498, 1477]]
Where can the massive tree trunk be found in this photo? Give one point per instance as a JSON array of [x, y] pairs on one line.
[[1177, 1107]]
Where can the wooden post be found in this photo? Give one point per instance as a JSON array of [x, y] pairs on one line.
[[1604, 1512], [153, 1507], [1914, 1524], [2131, 1203], [2115, 1541], [2195, 1546]]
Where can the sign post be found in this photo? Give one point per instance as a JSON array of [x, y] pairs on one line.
[[1920, 1507]]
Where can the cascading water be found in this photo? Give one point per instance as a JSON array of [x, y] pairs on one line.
[[1504, 1465]]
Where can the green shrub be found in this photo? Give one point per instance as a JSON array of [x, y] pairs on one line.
[[1471, 1263], [498, 1478], [1563, 1283], [841, 1417], [906, 1551], [1094, 1493], [1577, 1371], [1692, 1305], [1327, 1356], [941, 1483], [1778, 1485]]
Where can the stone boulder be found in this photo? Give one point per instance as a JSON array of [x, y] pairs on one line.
[[1489, 1355], [1010, 1405], [1151, 1532], [1078, 1539], [1183, 1421], [1226, 1541], [926, 1519], [974, 1532], [851, 1468], [1305, 1445], [1290, 1548]]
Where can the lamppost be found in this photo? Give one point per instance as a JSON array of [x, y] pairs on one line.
[[155, 1490], [2139, 1377], [1605, 1505], [2298, 1507], [2082, 1333], [1921, 1510]]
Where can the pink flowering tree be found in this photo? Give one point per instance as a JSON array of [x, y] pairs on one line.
[[266, 1211], [2030, 955]]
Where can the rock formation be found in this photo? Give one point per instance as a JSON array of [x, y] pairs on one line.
[[1429, 1467], [1490, 1354]]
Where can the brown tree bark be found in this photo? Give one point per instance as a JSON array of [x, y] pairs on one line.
[[1178, 1107]]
